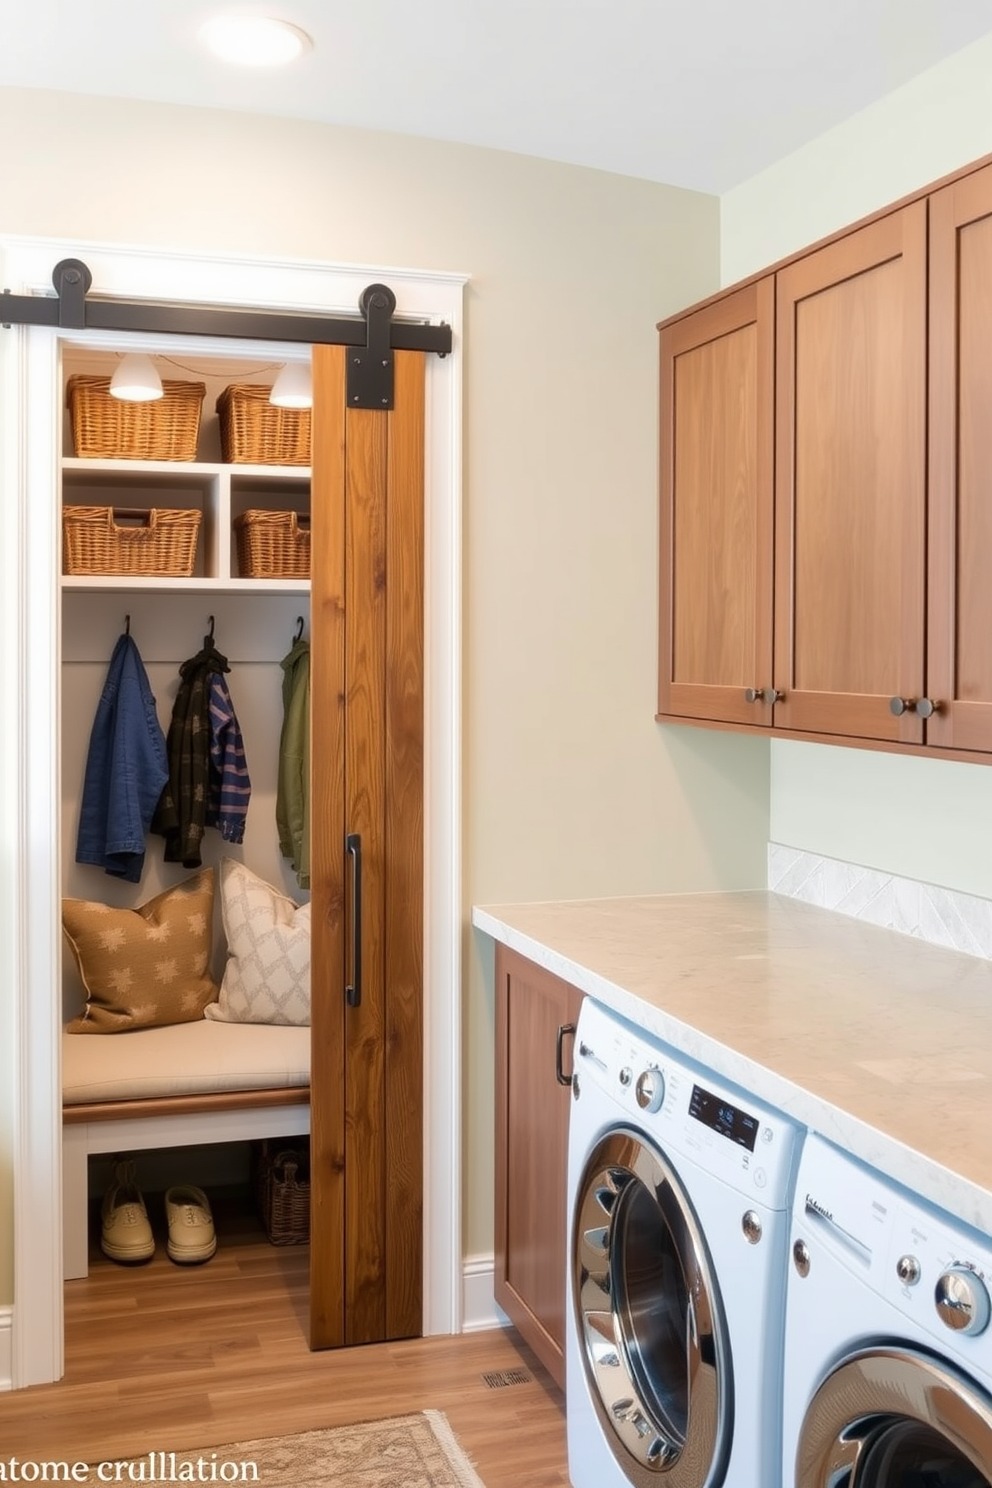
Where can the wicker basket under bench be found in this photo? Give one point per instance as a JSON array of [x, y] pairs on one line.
[[133, 1092]]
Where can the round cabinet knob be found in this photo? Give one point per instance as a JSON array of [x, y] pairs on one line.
[[649, 1091], [926, 708], [753, 695], [772, 695], [962, 1301], [899, 706]]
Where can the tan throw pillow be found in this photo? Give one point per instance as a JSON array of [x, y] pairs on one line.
[[267, 976], [146, 967]]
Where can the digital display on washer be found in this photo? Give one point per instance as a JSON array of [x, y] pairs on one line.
[[724, 1118]]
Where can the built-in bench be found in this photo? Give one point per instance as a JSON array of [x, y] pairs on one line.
[[181, 1086]]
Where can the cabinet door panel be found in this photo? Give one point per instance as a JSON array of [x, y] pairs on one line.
[[532, 1111], [850, 481], [959, 672], [716, 509]]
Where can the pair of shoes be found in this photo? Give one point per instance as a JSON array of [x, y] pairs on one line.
[[125, 1233], [192, 1236]]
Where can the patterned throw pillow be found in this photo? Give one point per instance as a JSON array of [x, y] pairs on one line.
[[267, 977], [146, 967]]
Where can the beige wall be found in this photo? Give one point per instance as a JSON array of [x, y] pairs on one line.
[[923, 819], [570, 786]]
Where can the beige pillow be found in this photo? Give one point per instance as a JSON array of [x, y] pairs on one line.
[[146, 967], [267, 976]]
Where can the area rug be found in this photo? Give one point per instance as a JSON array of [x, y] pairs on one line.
[[417, 1451]]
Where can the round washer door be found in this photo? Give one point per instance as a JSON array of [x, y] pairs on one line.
[[887, 1417], [649, 1320]]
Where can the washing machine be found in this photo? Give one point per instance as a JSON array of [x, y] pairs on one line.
[[679, 1195], [888, 1349]]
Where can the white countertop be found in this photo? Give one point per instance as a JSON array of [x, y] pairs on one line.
[[877, 1040]]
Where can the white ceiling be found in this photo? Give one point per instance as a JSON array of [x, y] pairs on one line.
[[697, 93]]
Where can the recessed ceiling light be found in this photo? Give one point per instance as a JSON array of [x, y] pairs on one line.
[[254, 41]]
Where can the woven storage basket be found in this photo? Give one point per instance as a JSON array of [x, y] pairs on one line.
[[156, 541], [282, 1191], [273, 545], [254, 431], [106, 428]]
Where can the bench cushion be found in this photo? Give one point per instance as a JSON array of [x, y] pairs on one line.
[[184, 1059]]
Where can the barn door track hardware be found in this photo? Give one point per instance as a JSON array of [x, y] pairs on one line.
[[373, 336]]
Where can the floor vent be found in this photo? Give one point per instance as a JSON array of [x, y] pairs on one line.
[[497, 1379]]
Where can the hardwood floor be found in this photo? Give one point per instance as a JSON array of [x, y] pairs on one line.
[[168, 1358]]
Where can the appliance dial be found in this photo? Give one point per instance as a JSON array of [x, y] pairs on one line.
[[626, 1075], [751, 1225], [650, 1089], [962, 1300], [800, 1257], [908, 1270]]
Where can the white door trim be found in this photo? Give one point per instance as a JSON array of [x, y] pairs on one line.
[[30, 435]]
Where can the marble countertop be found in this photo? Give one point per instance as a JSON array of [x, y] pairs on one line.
[[877, 1040]]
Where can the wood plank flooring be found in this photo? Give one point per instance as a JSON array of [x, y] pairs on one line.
[[168, 1358]]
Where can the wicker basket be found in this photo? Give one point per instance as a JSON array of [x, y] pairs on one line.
[[282, 1191], [115, 540], [273, 545], [106, 428], [254, 431]]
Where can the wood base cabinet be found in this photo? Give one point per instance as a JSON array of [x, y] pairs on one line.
[[536, 1014], [869, 624]]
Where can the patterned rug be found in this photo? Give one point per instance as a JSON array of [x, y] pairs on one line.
[[418, 1451]]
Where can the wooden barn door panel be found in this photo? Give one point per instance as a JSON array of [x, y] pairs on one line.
[[367, 752]]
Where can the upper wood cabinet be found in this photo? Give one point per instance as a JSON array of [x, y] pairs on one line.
[[959, 653], [850, 482], [717, 410], [880, 498]]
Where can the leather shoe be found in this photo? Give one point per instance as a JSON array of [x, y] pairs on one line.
[[125, 1233], [192, 1236]]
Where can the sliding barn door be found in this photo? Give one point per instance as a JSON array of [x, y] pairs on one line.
[[367, 721]]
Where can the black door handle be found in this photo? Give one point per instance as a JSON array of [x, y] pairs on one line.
[[560, 1075], [353, 991]]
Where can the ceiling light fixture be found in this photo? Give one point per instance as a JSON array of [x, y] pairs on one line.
[[136, 379], [293, 387], [254, 41]]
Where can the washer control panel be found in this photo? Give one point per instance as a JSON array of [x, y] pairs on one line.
[[931, 1267], [686, 1109]]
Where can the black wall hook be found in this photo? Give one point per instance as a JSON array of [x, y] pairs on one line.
[[208, 639], [299, 628], [127, 625]]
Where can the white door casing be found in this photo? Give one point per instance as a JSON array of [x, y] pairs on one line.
[[30, 562]]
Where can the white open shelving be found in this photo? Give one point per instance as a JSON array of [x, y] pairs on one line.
[[222, 492]]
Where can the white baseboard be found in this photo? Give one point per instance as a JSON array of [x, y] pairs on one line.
[[6, 1348], [479, 1310]]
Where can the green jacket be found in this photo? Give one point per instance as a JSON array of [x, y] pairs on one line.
[[293, 787]]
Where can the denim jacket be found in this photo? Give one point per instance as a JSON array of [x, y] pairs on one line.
[[126, 769]]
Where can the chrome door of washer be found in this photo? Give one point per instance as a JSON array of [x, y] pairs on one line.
[[887, 1417], [649, 1319]]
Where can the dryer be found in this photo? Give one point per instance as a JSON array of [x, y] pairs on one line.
[[888, 1349], [679, 1193]]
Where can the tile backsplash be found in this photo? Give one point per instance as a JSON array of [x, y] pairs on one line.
[[945, 917]]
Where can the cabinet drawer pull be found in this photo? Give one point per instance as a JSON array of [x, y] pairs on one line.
[[560, 1076]]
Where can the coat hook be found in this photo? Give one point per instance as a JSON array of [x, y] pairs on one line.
[[127, 625], [299, 628], [210, 632]]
